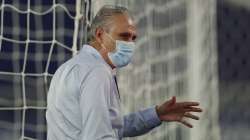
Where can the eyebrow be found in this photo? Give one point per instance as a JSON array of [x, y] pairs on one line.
[[127, 34]]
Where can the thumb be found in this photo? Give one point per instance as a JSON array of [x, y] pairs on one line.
[[166, 106], [171, 102]]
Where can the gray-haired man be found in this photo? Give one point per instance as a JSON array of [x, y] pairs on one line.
[[83, 99]]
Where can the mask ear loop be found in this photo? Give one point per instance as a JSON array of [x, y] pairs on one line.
[[112, 40], [102, 46], [109, 36]]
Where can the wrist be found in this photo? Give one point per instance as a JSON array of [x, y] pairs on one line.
[[158, 111]]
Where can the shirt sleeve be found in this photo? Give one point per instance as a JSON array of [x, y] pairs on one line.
[[139, 123], [95, 92]]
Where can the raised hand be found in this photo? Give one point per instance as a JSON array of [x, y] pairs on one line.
[[171, 111]]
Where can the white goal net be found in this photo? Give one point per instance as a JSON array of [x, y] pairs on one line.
[[36, 36]]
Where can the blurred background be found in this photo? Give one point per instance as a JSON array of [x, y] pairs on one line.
[[195, 50]]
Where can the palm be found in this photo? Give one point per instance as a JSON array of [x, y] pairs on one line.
[[173, 111], [172, 116]]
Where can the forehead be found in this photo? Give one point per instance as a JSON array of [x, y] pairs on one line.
[[123, 23]]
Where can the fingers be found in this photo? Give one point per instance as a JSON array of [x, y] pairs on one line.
[[188, 104], [185, 104], [186, 123], [189, 115], [172, 101], [193, 109]]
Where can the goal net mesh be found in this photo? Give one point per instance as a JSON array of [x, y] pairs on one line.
[[36, 36]]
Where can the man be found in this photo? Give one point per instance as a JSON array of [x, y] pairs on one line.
[[83, 99]]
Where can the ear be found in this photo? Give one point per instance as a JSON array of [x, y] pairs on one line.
[[99, 35]]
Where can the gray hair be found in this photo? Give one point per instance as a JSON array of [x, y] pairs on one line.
[[103, 18]]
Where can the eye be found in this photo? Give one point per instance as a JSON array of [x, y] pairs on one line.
[[134, 38], [124, 36]]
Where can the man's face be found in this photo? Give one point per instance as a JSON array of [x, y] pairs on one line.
[[122, 28]]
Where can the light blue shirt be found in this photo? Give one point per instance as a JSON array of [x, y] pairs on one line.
[[83, 103]]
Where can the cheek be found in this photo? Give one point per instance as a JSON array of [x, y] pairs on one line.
[[110, 45]]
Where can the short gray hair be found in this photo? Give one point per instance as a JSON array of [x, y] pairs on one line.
[[103, 18]]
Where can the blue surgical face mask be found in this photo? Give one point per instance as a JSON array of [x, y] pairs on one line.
[[122, 54]]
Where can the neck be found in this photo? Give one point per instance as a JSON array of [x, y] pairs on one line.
[[103, 52]]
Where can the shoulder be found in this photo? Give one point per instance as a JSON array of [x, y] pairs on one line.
[[97, 80], [99, 72]]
